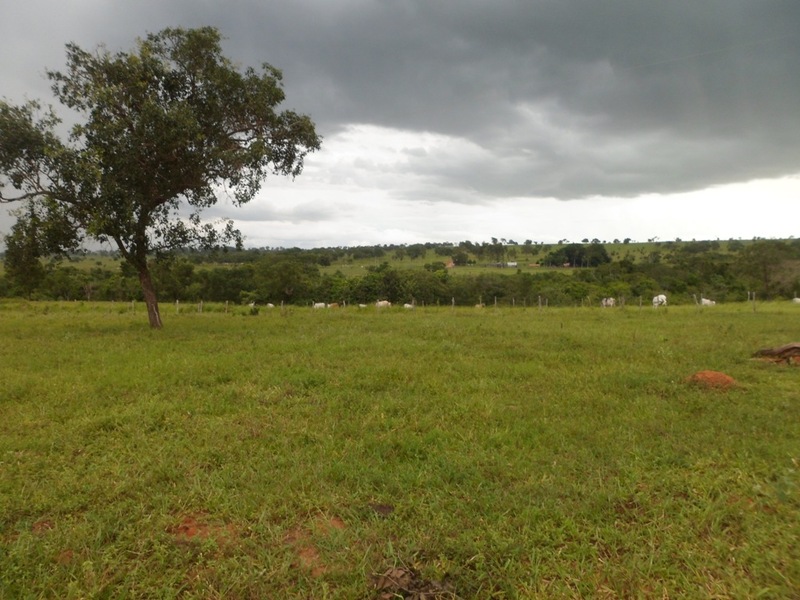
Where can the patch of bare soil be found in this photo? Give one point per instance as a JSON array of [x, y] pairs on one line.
[[40, 527], [382, 510], [402, 582], [301, 538], [713, 380], [193, 527]]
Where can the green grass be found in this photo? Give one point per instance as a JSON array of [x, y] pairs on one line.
[[523, 453]]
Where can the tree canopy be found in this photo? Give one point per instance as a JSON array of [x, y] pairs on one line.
[[162, 129]]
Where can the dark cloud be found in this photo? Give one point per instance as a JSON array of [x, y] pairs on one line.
[[567, 98], [563, 98]]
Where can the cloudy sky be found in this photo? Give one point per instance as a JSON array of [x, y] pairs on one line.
[[451, 120]]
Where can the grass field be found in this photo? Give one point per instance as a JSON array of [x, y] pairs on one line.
[[495, 453]]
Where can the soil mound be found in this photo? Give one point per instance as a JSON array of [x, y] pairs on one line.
[[713, 380]]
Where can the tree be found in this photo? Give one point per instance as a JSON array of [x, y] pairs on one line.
[[460, 258], [417, 251], [286, 278], [596, 255], [23, 266], [165, 127], [763, 262]]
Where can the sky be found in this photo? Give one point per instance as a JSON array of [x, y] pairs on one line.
[[453, 120]]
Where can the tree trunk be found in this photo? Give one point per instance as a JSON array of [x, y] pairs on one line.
[[150, 298]]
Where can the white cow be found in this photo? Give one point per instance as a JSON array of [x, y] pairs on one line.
[[796, 300], [383, 304], [319, 305], [706, 302], [408, 306], [607, 302], [660, 300]]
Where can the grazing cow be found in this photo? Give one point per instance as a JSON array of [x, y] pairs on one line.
[[408, 305], [706, 302], [362, 306], [796, 300], [333, 305], [319, 305], [660, 300], [383, 304], [607, 302], [270, 305]]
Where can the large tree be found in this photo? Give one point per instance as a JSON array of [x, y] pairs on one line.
[[160, 132]]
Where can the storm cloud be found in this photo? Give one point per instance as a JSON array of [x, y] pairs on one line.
[[566, 99], [557, 99]]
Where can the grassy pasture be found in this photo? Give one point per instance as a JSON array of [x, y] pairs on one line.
[[496, 453]]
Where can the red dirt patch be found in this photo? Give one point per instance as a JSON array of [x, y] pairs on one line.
[[713, 380], [42, 526], [310, 560], [191, 527], [308, 557]]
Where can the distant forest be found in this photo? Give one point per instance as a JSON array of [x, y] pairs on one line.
[[466, 273]]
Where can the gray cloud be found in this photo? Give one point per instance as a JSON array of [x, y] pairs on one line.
[[564, 98], [568, 98]]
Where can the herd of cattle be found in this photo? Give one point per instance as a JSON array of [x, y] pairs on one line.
[[658, 300], [378, 304]]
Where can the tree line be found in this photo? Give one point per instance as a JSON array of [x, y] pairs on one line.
[[769, 268]]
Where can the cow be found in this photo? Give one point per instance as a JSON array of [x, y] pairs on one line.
[[660, 300], [383, 304], [796, 300], [319, 305], [408, 306], [333, 305], [607, 302], [706, 302], [270, 305]]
